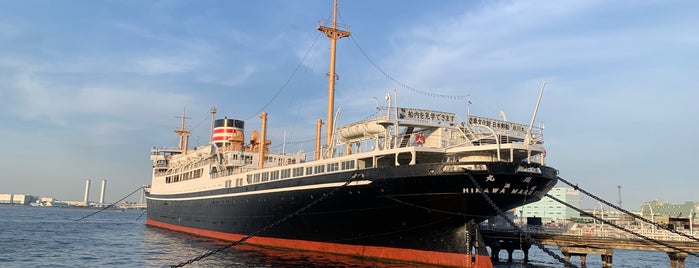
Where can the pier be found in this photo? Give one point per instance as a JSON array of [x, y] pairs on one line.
[[581, 239]]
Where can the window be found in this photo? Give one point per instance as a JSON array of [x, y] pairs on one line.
[[286, 173], [309, 170], [319, 169], [274, 175], [348, 165], [298, 172], [265, 176], [332, 167]]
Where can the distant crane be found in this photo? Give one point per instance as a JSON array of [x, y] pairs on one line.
[[619, 190]]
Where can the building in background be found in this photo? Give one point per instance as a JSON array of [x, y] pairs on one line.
[[17, 199], [660, 211], [551, 210]]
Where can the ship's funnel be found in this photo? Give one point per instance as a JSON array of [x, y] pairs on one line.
[[104, 187], [229, 132], [87, 192]]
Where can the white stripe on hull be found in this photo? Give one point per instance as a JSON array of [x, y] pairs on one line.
[[285, 189]]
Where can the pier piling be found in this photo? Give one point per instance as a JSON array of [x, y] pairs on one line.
[[509, 245], [677, 259]]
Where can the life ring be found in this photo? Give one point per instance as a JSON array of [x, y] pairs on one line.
[[419, 138]]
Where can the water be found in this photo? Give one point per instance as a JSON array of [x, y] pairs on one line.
[[50, 237]]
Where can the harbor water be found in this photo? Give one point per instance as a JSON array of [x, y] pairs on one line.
[[51, 237]]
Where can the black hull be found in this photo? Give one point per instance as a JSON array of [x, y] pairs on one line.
[[406, 207]]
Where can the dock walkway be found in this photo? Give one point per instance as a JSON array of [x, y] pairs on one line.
[[583, 239]]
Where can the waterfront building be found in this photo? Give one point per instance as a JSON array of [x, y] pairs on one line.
[[660, 209], [551, 210], [16, 199]]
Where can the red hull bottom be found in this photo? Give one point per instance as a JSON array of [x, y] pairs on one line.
[[386, 253]]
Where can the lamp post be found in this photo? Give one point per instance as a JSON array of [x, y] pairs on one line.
[[594, 213], [652, 217], [691, 216]]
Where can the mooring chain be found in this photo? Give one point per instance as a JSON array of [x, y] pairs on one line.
[[524, 202], [480, 246], [354, 177], [509, 221], [110, 205], [627, 212], [659, 242]]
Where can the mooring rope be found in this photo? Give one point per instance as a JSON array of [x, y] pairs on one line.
[[110, 205], [659, 242], [353, 178], [139, 216], [509, 221], [576, 187]]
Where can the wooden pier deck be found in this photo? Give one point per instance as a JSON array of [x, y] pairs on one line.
[[579, 240]]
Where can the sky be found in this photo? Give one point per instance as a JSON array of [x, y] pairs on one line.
[[87, 88]]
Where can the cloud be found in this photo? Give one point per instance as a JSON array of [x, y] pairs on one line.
[[42, 98], [231, 80], [168, 65]]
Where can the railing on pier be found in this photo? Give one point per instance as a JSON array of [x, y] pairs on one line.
[[601, 231], [583, 239]]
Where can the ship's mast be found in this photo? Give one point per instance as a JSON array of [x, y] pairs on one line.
[[184, 134], [263, 138], [319, 125], [330, 29], [213, 114]]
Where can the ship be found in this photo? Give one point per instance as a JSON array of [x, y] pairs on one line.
[[404, 185]]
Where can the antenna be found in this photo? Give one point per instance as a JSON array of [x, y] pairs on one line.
[[536, 110], [503, 115], [468, 111], [213, 113], [284, 143]]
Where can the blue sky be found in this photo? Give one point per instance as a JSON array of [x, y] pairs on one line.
[[88, 87]]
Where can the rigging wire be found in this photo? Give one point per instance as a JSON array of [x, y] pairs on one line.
[[354, 177], [404, 85], [575, 186], [196, 138], [509, 221], [288, 80], [110, 205], [622, 228]]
